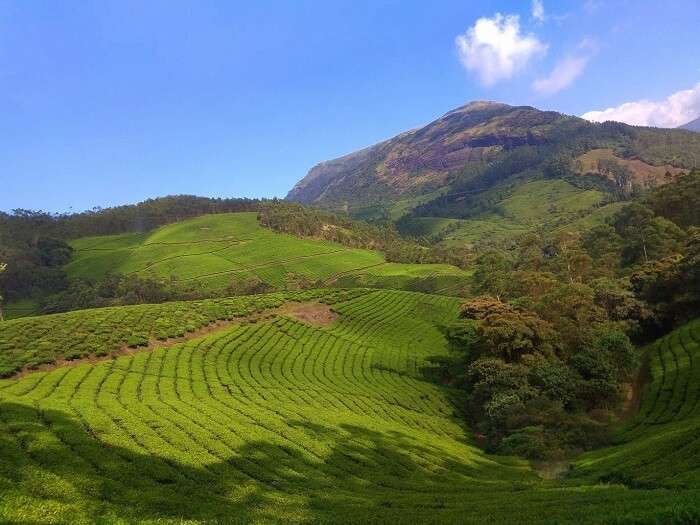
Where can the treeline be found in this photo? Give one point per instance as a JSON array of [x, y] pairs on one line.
[[120, 290], [295, 219], [34, 245], [545, 350]]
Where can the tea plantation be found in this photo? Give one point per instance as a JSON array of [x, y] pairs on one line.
[[661, 447], [214, 250], [273, 420]]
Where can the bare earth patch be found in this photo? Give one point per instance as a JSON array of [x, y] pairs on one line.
[[316, 314]]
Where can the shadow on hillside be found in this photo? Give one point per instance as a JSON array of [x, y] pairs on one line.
[[49, 455]]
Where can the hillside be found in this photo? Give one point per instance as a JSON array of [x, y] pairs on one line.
[[536, 206], [660, 447], [693, 125], [452, 167], [283, 419], [215, 250]]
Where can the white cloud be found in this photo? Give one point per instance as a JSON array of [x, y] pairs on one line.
[[676, 110], [567, 69], [538, 10], [563, 75], [591, 6], [495, 49]]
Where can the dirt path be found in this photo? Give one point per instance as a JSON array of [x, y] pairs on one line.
[[633, 398], [314, 314]]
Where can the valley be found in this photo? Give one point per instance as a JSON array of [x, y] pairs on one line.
[[464, 355], [278, 420]]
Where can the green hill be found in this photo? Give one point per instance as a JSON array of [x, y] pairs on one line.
[[215, 250], [281, 417], [537, 206]]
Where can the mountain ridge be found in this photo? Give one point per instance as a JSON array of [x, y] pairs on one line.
[[457, 147]]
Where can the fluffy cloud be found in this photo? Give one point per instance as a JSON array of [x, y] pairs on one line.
[[566, 70], [538, 10], [495, 49], [676, 110]]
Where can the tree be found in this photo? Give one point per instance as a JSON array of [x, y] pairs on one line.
[[646, 236], [3, 267], [492, 273], [508, 332]]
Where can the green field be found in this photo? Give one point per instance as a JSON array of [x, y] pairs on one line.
[[215, 250], [280, 421], [661, 447], [429, 278]]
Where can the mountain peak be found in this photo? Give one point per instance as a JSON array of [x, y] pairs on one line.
[[479, 105], [425, 158]]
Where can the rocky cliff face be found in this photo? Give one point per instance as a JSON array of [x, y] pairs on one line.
[[423, 159]]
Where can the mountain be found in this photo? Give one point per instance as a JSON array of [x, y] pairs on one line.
[[478, 146], [693, 125], [425, 157]]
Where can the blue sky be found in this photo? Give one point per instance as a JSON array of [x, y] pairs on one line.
[[104, 103]]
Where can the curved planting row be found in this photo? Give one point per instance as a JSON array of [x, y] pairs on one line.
[[661, 447], [32, 342], [274, 408], [276, 421]]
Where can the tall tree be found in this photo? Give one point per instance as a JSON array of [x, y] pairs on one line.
[[3, 266]]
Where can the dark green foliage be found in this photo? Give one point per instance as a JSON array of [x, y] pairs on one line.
[[119, 289], [678, 202], [303, 221], [545, 362], [647, 237]]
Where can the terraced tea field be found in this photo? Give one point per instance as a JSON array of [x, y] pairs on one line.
[[215, 250], [36, 341], [274, 420], [661, 447]]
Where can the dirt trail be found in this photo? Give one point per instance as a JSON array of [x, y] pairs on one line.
[[315, 314], [633, 397]]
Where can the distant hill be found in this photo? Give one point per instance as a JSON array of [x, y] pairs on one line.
[[214, 251], [485, 147], [693, 125]]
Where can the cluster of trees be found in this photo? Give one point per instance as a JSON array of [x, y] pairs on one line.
[[119, 289], [302, 221], [3, 267], [545, 351]]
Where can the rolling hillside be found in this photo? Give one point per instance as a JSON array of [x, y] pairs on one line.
[[295, 419], [531, 207], [214, 250]]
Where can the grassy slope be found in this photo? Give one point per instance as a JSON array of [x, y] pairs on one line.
[[275, 422], [549, 205], [429, 278], [214, 250], [661, 447], [22, 308]]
